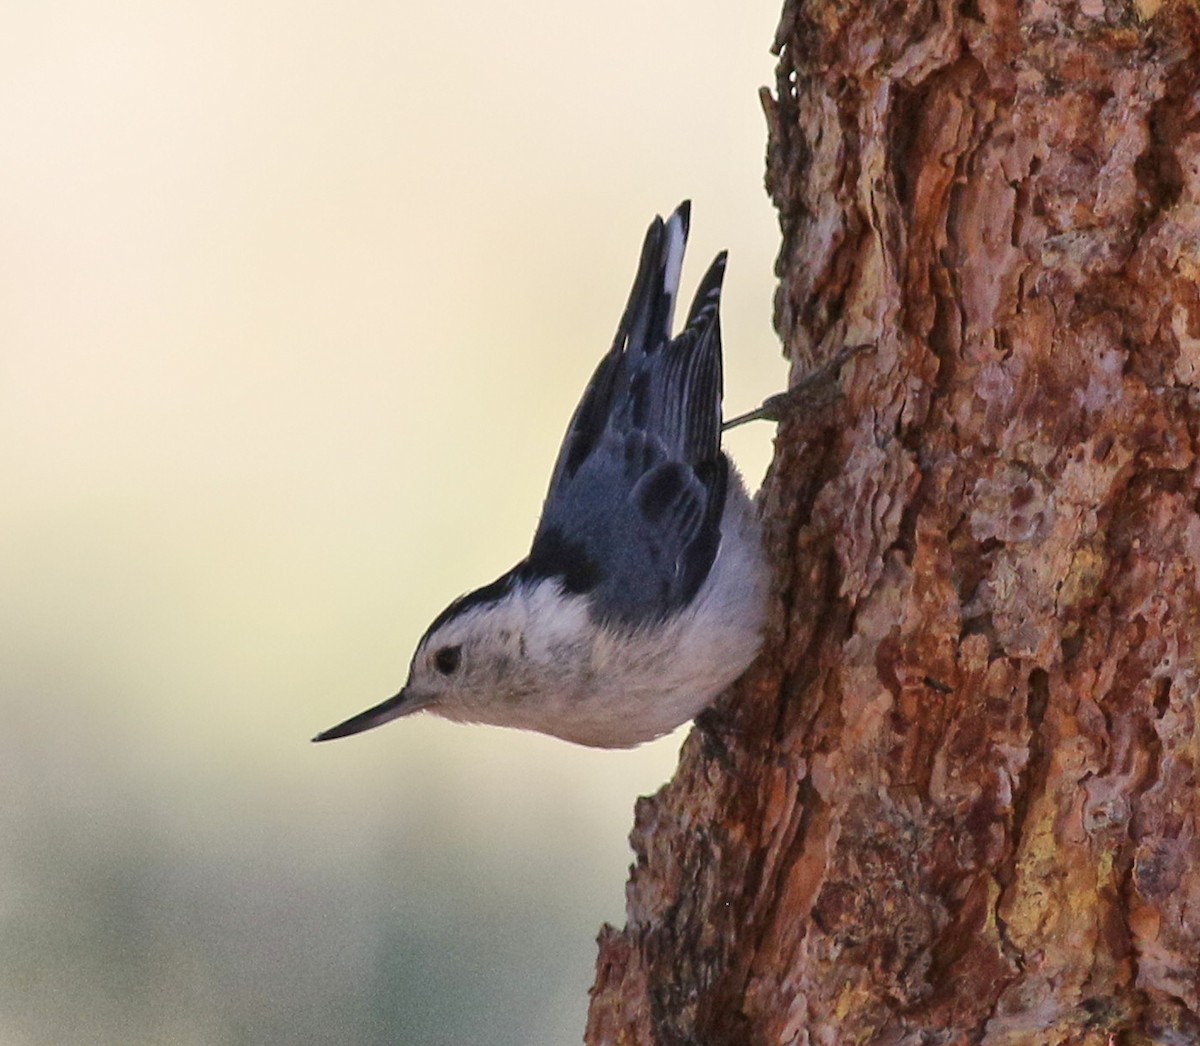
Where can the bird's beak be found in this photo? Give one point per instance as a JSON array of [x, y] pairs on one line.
[[404, 703]]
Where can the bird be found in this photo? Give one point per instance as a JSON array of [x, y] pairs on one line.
[[644, 594]]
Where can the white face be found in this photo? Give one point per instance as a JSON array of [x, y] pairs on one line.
[[465, 663], [494, 661]]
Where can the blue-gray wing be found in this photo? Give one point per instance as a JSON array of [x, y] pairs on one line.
[[633, 513]]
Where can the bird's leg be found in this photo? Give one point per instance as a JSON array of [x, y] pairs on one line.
[[712, 726], [810, 392]]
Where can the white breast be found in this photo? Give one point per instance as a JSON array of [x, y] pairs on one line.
[[610, 689]]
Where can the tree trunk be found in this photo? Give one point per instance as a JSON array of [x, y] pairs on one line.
[[956, 800]]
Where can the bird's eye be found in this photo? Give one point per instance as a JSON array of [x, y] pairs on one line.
[[446, 660]]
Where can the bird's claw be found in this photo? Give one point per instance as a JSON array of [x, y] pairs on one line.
[[814, 390]]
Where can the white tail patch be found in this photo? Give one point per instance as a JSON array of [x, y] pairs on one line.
[[672, 270]]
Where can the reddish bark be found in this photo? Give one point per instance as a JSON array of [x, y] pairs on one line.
[[959, 800]]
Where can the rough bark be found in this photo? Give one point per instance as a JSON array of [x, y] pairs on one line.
[[956, 801]]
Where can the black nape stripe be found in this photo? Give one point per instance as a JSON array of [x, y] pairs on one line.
[[492, 593], [554, 555]]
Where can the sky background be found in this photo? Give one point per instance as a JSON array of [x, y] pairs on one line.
[[295, 303]]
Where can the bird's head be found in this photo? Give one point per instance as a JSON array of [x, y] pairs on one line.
[[486, 657]]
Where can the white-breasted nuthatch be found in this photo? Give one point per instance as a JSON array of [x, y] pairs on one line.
[[644, 594]]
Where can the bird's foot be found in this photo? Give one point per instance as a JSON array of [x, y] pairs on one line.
[[813, 391], [710, 725]]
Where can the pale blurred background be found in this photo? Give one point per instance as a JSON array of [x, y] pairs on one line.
[[295, 302]]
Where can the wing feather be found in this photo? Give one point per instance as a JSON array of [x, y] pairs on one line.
[[633, 513]]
